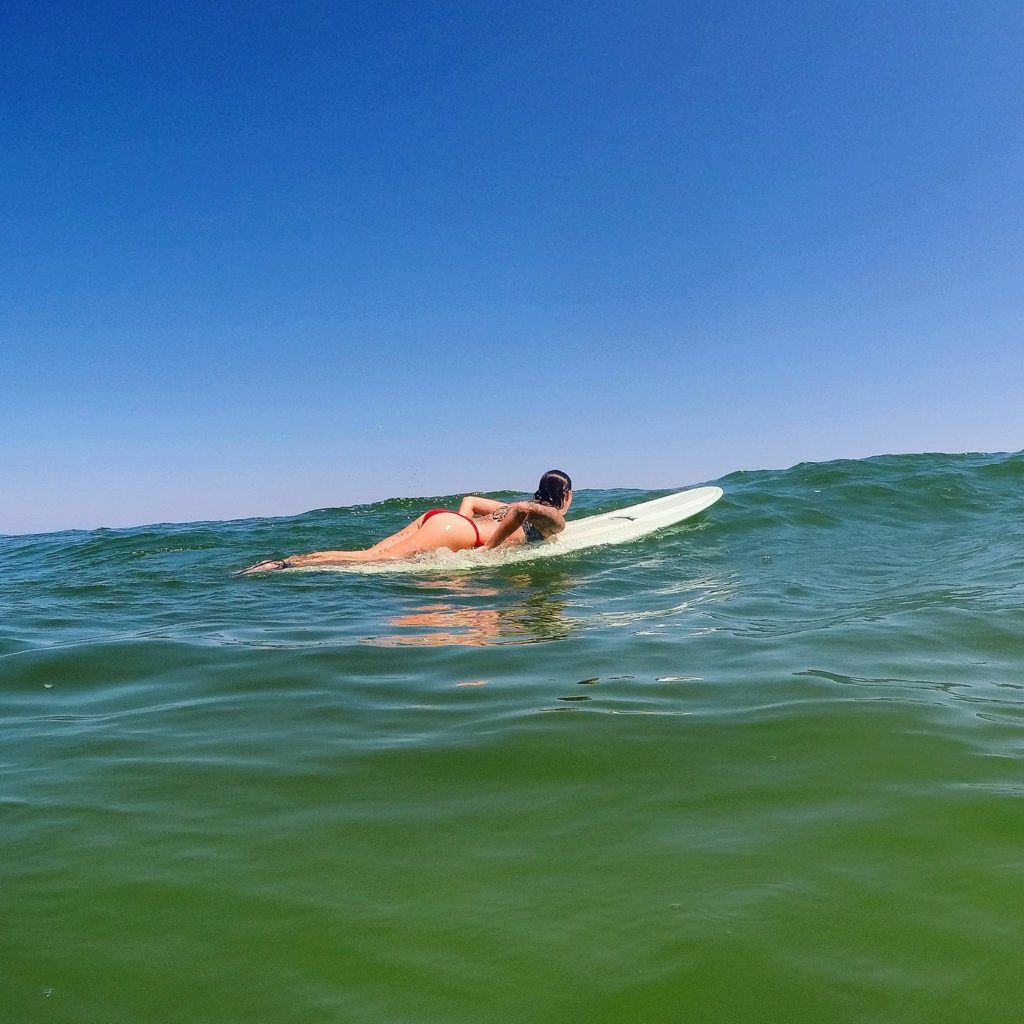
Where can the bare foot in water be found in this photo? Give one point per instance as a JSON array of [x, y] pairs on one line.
[[271, 565], [316, 559]]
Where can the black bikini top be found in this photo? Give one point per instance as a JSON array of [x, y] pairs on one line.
[[533, 535]]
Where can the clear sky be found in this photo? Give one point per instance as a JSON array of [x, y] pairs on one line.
[[258, 258]]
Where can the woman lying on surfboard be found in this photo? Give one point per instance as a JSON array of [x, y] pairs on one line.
[[479, 523]]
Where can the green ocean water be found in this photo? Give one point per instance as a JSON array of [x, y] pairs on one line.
[[764, 766]]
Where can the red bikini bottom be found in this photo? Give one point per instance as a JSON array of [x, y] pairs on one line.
[[436, 511]]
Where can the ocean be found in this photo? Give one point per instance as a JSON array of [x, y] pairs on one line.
[[764, 766]]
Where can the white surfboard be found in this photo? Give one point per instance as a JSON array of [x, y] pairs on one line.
[[616, 527], [625, 524]]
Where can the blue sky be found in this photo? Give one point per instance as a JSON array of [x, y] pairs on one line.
[[262, 258]]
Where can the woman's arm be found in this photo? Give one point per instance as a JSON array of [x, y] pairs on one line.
[[508, 522], [474, 506], [544, 515], [518, 513]]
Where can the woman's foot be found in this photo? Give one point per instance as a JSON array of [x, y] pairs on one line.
[[270, 565]]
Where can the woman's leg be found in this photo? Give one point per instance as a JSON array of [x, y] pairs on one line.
[[363, 553], [388, 542], [448, 530]]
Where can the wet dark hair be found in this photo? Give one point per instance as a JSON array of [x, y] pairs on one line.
[[553, 487]]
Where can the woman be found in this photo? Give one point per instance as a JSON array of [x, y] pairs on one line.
[[479, 523]]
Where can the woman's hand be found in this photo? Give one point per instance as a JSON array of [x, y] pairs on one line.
[[471, 506]]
